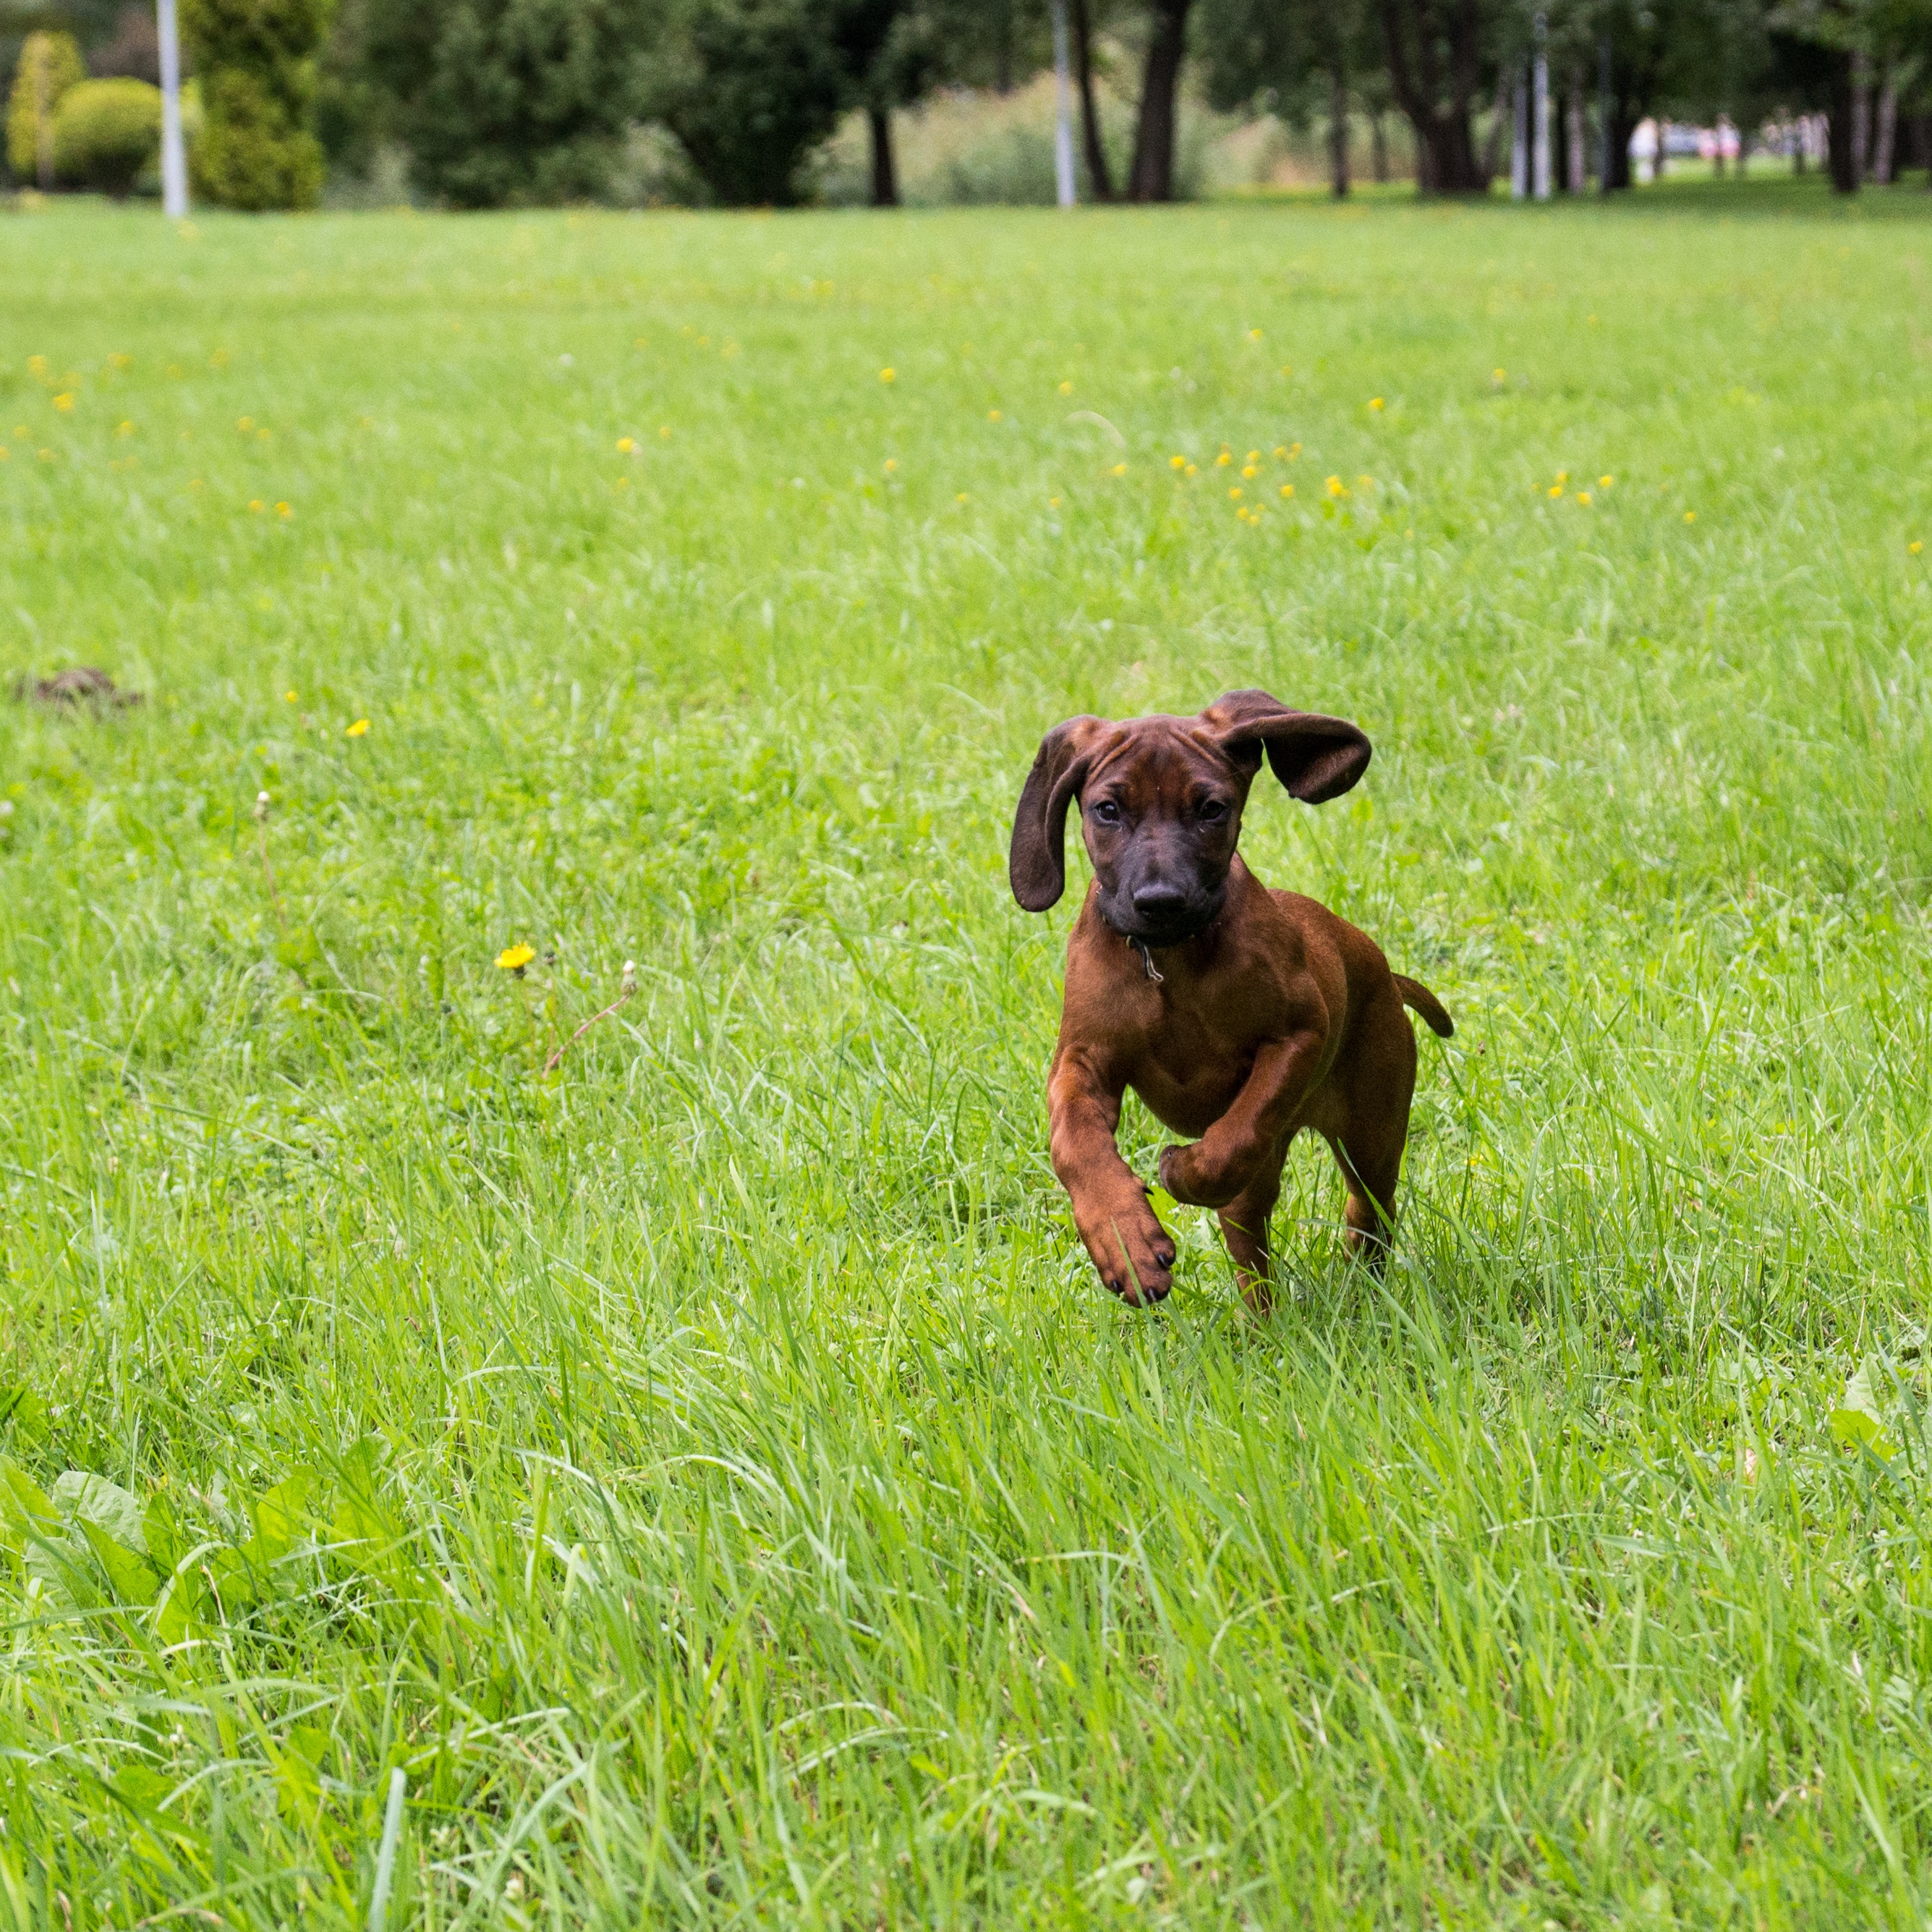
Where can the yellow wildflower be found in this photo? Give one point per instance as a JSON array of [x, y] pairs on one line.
[[37, 365], [288, 698], [65, 401], [891, 463], [992, 415], [1689, 516], [1498, 376], [1336, 488], [255, 506], [889, 375], [1254, 335], [1222, 461], [1604, 482], [514, 958], [1118, 469], [360, 729], [1177, 463], [1562, 476], [124, 427], [1235, 492], [960, 498], [1583, 497], [663, 431], [1556, 489], [1915, 546], [1053, 502], [283, 510], [1250, 469], [1376, 403], [1288, 489], [625, 444], [1190, 469], [245, 423], [1066, 388]]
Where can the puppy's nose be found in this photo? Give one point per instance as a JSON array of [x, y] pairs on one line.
[[1155, 903]]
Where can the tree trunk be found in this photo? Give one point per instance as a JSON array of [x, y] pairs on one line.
[[1099, 179], [1378, 160], [1573, 121], [1338, 131], [1499, 119], [1800, 134], [1860, 116], [1415, 34], [1625, 113], [1839, 145], [1153, 177], [885, 176], [1885, 136], [1003, 49]]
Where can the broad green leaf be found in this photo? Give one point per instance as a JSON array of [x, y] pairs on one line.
[[281, 1516], [131, 1576], [80, 1496], [1858, 1422]]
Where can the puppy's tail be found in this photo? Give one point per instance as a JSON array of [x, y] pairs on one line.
[[1416, 995]]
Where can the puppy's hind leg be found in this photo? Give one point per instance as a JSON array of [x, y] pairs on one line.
[[1244, 1229], [1371, 1164]]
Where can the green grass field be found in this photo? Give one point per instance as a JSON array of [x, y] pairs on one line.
[[712, 1474]]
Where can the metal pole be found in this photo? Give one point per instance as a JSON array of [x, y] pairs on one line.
[[1063, 112], [1518, 138], [1540, 150], [174, 155]]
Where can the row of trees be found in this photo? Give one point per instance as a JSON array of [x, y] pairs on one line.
[[498, 101]]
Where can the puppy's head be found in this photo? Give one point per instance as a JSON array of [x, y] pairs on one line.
[[1160, 803]]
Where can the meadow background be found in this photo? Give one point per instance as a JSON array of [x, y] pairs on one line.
[[712, 1473]]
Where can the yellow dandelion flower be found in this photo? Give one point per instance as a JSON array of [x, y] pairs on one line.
[[623, 482], [1222, 461], [37, 365], [360, 729], [1191, 469], [1498, 376], [663, 431], [1562, 476], [3, 452], [1336, 488], [1235, 493], [1287, 369], [284, 512], [1915, 546], [65, 401], [1556, 489], [1604, 482], [891, 463], [45, 455], [245, 423], [1177, 463], [1280, 450], [1053, 502], [288, 698], [992, 415], [960, 498], [642, 342], [1689, 516], [124, 427], [514, 958], [1250, 469], [889, 375], [1375, 403], [1288, 489], [1118, 469], [1066, 388], [254, 506], [1253, 456], [625, 444], [1254, 335], [1583, 497]]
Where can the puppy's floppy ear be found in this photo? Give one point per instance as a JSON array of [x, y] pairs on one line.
[[1037, 863], [1317, 758]]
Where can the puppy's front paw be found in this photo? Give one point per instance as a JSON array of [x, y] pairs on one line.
[[1133, 1252]]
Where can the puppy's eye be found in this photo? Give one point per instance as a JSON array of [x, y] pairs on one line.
[[1213, 810], [1107, 812]]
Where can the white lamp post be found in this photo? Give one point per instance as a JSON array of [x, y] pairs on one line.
[[174, 154]]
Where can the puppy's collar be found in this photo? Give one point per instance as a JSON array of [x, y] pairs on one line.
[[1140, 946]]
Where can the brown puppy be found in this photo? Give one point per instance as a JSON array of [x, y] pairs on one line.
[[1240, 1016]]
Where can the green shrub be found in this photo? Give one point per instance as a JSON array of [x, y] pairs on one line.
[[106, 132], [50, 65], [255, 60], [751, 87], [506, 101]]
